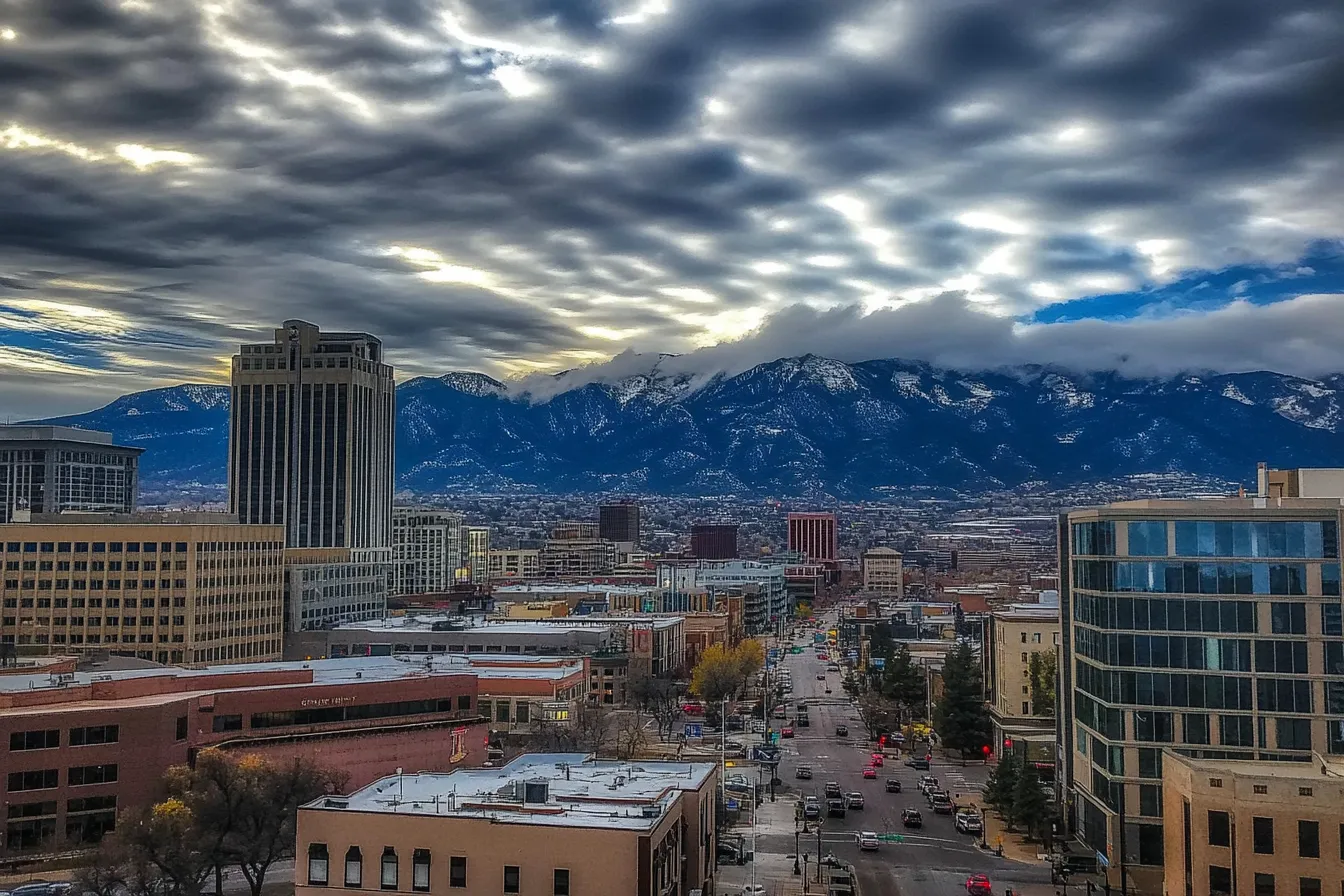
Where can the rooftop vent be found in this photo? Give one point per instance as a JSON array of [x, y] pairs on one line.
[[537, 790], [653, 811], [332, 802]]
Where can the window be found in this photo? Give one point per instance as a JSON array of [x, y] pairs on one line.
[[1234, 731], [511, 879], [524, 713], [81, 775], [1293, 734], [35, 740], [1264, 884], [95, 734], [181, 732], [1309, 839], [388, 880], [1147, 538], [45, 779], [1220, 880], [354, 867], [420, 870], [1309, 886], [457, 871], [562, 882], [1220, 829], [318, 863], [1150, 800], [1153, 726], [464, 701], [1262, 833], [227, 723], [1150, 763], [1195, 728]]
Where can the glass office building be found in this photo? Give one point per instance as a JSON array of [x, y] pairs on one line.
[[1210, 627]]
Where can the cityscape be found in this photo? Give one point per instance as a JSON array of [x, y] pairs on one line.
[[671, 448]]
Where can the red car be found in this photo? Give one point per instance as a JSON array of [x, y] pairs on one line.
[[877, 760], [869, 772], [786, 731], [693, 709], [978, 885]]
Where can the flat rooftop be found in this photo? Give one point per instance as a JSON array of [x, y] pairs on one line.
[[581, 792], [23, 433], [561, 624], [1319, 767], [542, 588]]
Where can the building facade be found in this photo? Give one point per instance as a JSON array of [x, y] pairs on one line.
[[813, 535], [1209, 627], [476, 554], [331, 586], [619, 523], [426, 550], [325, 471], [883, 572], [51, 469], [714, 541], [1252, 828], [1020, 660], [763, 586], [516, 563], [533, 826], [172, 588]]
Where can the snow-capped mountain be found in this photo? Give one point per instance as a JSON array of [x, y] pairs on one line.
[[797, 426]]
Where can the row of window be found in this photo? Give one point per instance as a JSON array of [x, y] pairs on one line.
[[96, 547], [49, 778], [79, 603], [1262, 835], [48, 807], [1176, 614], [1191, 690], [329, 714], [94, 566], [1212, 538], [1177, 577], [50, 738], [389, 871], [1220, 884]]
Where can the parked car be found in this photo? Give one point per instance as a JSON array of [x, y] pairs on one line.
[[869, 772], [729, 854], [920, 764], [979, 885], [968, 823], [753, 890], [833, 789], [693, 709], [868, 840], [842, 731], [856, 800], [893, 785], [912, 819], [804, 772], [821, 676], [835, 808]]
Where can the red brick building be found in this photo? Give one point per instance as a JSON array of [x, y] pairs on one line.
[[79, 748]]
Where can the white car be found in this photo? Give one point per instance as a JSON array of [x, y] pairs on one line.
[[868, 840], [753, 890]]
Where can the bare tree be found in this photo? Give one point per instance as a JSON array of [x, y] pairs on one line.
[[630, 736], [877, 713], [661, 698], [591, 727]]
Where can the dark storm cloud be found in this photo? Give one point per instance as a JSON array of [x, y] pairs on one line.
[[679, 174]]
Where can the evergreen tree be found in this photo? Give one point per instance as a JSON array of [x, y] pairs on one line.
[[904, 683], [1001, 788], [1042, 670], [960, 717], [1030, 806]]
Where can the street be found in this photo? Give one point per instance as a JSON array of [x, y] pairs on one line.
[[932, 861]]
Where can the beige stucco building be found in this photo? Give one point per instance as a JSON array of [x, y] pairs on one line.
[[552, 824], [188, 588], [1253, 828], [883, 573], [1022, 719]]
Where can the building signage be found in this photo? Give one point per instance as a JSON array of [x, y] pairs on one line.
[[693, 730], [316, 702]]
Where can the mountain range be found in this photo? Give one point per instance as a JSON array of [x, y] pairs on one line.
[[794, 426]]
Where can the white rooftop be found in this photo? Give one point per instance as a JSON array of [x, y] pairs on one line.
[[463, 624], [575, 588], [580, 792]]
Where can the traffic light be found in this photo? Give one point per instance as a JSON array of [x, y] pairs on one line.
[[1007, 743], [985, 749], [882, 741]]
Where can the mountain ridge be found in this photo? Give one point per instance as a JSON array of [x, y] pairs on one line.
[[799, 426]]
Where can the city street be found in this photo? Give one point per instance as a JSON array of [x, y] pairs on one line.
[[932, 861]]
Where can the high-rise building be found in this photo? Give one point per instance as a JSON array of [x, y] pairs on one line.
[[883, 572], [714, 541], [182, 588], [426, 550], [619, 523], [476, 554], [325, 472], [1208, 627], [813, 535], [50, 469]]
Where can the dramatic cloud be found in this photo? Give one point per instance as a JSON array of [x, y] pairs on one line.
[[525, 186]]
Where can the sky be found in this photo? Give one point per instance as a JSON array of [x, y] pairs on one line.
[[521, 187]]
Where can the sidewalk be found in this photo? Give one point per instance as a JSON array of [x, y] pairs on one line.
[[773, 870], [1014, 843]]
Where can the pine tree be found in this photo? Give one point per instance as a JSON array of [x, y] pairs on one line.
[[1030, 806], [1001, 787], [904, 682], [960, 718]]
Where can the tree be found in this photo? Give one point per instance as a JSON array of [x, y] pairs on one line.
[[1042, 670], [167, 852], [904, 682], [723, 672], [630, 736], [960, 718], [750, 658], [1030, 807], [877, 713], [660, 698], [1001, 787], [591, 724]]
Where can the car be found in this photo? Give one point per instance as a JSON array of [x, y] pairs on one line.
[[869, 772], [729, 854], [693, 709], [934, 794], [979, 885], [835, 808], [877, 759], [926, 782], [842, 731], [757, 726], [912, 819], [821, 676], [893, 785], [833, 667], [856, 800], [804, 772], [942, 806], [811, 811], [786, 731], [868, 840], [918, 764], [753, 890], [833, 789], [968, 823], [828, 690]]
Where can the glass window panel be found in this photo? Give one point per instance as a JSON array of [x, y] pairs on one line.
[[1313, 544], [1187, 541], [1296, 541], [1205, 538], [1242, 539]]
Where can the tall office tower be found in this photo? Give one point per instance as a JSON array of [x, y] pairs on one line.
[[619, 523], [476, 554], [813, 535], [325, 472], [50, 469], [714, 541], [426, 550], [1211, 628]]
